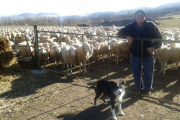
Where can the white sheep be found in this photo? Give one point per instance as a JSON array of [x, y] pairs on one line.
[[72, 57], [100, 49], [176, 35], [43, 55], [24, 48], [165, 54], [112, 44], [119, 49], [101, 39], [67, 39], [44, 37], [65, 56], [55, 53], [83, 54]]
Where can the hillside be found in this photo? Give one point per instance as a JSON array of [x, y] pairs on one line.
[[123, 17]]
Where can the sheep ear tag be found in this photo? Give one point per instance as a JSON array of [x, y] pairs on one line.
[[91, 44]]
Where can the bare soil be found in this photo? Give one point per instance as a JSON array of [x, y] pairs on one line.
[[53, 96]]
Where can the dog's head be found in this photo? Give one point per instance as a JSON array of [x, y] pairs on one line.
[[119, 88]]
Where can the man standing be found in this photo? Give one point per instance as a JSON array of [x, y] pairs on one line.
[[142, 55]]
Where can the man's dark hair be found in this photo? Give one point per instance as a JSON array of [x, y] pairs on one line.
[[140, 11]]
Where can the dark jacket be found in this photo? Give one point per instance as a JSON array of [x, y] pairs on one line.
[[149, 30]]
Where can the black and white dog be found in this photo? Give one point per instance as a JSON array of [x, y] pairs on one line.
[[114, 92]]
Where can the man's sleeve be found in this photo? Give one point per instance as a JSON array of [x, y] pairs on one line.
[[122, 33]]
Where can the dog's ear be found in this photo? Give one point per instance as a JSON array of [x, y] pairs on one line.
[[122, 82]]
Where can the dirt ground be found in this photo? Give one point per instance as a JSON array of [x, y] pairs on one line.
[[52, 96]]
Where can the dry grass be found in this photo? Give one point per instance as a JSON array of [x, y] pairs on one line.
[[171, 22], [8, 61]]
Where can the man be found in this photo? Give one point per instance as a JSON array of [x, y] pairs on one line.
[[142, 55]]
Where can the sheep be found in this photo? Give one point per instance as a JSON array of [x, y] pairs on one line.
[[119, 49], [94, 38], [55, 53], [72, 57], [49, 40], [109, 33], [67, 39], [83, 39], [43, 55], [175, 56], [54, 39], [124, 49], [103, 33], [171, 54], [46, 46], [62, 37], [100, 39], [112, 44], [24, 48], [22, 35], [92, 33], [92, 41], [63, 44], [65, 56], [100, 48], [44, 37], [176, 36], [14, 35], [77, 45], [83, 54]]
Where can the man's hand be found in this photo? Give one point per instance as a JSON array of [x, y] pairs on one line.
[[150, 49], [130, 39]]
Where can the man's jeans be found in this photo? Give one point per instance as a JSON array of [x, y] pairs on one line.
[[147, 69]]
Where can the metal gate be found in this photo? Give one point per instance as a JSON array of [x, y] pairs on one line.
[[166, 87]]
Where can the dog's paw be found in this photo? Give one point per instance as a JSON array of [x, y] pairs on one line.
[[121, 113], [105, 103], [114, 118], [96, 105]]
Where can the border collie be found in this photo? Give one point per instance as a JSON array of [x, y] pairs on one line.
[[114, 92]]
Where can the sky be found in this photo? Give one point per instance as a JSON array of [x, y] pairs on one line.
[[74, 7]]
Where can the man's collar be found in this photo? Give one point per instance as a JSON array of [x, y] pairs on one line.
[[135, 23]]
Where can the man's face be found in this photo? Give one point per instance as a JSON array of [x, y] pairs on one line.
[[140, 18]]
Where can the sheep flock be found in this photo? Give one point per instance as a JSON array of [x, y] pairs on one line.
[[77, 45]]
